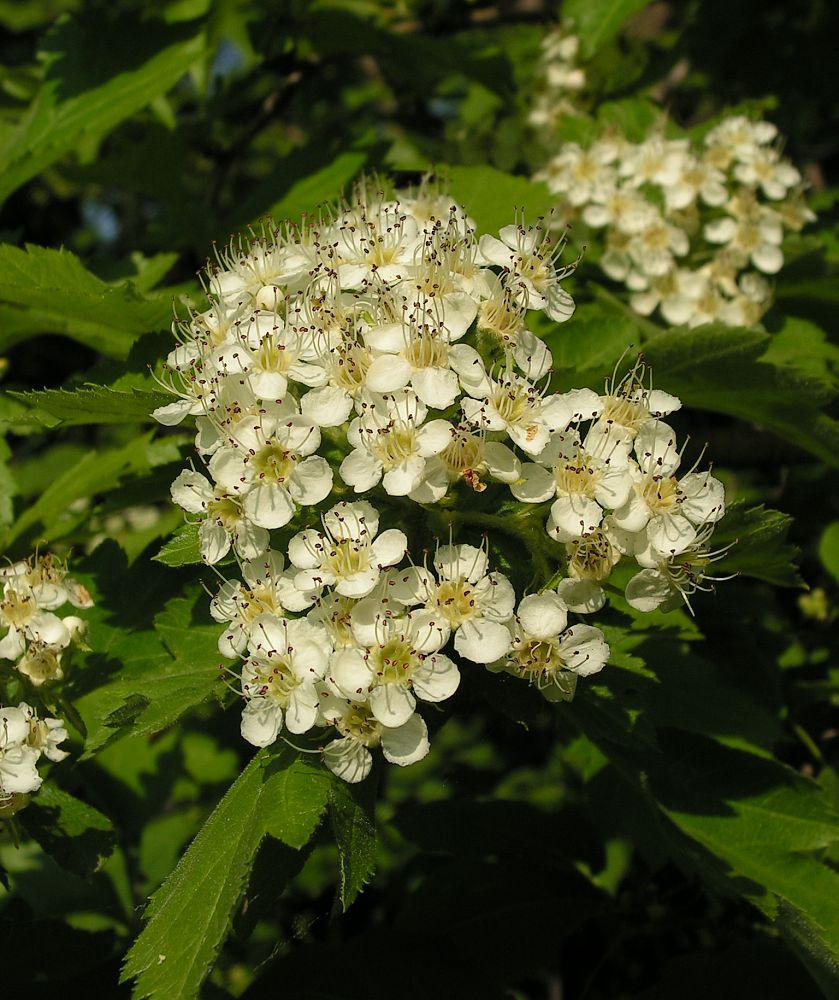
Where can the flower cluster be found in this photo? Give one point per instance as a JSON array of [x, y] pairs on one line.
[[24, 738], [559, 80], [33, 636], [692, 231], [612, 483], [385, 350]]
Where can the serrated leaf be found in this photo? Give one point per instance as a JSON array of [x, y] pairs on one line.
[[492, 196], [78, 836], [721, 368], [759, 546], [596, 21], [96, 404], [294, 799], [189, 916], [98, 73], [352, 812], [153, 691], [51, 291], [182, 549]]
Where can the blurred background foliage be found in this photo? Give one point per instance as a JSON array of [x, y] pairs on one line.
[[672, 831]]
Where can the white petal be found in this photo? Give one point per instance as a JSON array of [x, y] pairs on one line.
[[213, 541], [360, 470], [583, 649], [482, 641], [269, 506], [352, 673], [406, 476], [191, 491], [406, 744], [302, 709], [261, 722], [392, 704], [436, 679], [311, 481], [583, 597], [670, 534], [535, 484], [388, 373], [348, 759], [542, 615], [389, 547], [648, 590], [327, 407], [436, 387]]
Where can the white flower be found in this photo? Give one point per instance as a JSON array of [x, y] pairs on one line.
[[467, 457], [669, 509], [347, 555], [584, 483], [396, 662], [279, 678], [349, 756], [45, 734], [225, 522], [391, 444], [513, 404], [546, 654], [529, 257], [21, 614], [268, 588], [464, 599], [268, 467], [18, 774]]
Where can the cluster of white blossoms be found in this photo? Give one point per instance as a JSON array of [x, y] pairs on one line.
[[24, 738], [31, 634], [384, 350], [559, 80], [694, 231]]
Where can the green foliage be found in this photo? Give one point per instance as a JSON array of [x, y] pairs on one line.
[[724, 369], [96, 404], [78, 836], [182, 549], [163, 676], [490, 193], [596, 21], [96, 74], [188, 917], [759, 549], [352, 811], [672, 831], [50, 291]]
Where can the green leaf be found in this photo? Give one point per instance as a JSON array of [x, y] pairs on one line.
[[78, 836], [96, 404], [596, 21], [352, 811], [316, 188], [50, 291], [721, 368], [491, 197], [586, 348], [163, 682], [188, 917], [294, 798], [759, 548], [95, 473], [182, 549], [98, 73], [829, 549], [805, 347]]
